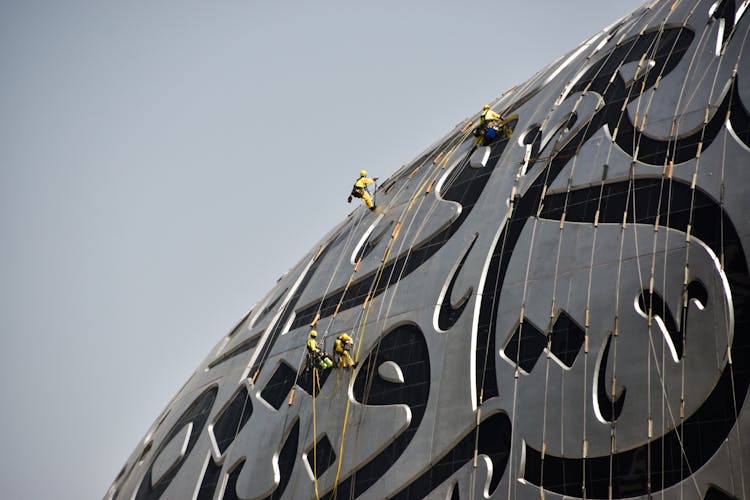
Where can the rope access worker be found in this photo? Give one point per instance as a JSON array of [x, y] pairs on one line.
[[489, 116], [360, 189], [490, 124], [341, 348], [315, 354]]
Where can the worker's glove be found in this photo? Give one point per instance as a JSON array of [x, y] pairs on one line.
[[375, 178], [349, 200]]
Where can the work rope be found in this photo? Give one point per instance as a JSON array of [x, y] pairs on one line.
[[512, 492], [727, 313], [666, 177], [369, 301], [315, 430], [448, 178], [667, 174], [552, 314], [666, 182], [650, 346]]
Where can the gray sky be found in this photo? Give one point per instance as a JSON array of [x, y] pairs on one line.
[[163, 163]]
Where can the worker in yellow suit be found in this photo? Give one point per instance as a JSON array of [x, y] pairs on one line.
[[490, 125], [315, 354], [360, 189], [341, 348], [488, 116]]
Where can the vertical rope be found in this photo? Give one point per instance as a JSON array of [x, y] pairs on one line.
[[315, 431], [369, 304]]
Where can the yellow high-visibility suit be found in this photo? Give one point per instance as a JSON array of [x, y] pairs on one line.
[[341, 348], [317, 354], [489, 116], [360, 188], [490, 124]]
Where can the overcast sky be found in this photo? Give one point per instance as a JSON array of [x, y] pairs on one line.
[[163, 163]]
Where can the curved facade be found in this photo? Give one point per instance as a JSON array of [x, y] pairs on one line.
[[561, 313]]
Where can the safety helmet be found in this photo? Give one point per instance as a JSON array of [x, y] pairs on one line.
[[313, 333], [345, 337], [486, 106], [363, 173]]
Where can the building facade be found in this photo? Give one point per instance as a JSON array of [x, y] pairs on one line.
[[558, 311]]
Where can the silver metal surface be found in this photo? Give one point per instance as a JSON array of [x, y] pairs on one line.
[[598, 207]]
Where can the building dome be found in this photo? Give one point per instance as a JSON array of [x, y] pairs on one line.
[[555, 307]]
